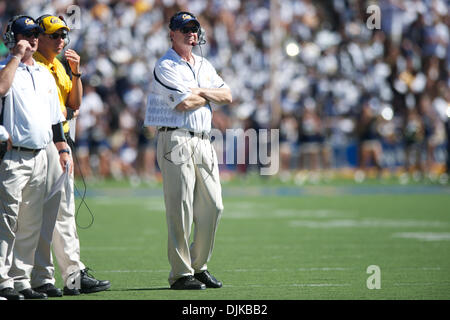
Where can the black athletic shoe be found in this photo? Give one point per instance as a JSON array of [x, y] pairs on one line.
[[11, 294], [187, 283], [50, 290], [88, 284], [71, 292], [31, 294], [208, 279]]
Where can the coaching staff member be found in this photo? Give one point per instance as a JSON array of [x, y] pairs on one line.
[[32, 116], [59, 228], [192, 190]]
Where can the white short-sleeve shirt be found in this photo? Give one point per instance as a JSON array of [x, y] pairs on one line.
[[31, 106], [173, 78]]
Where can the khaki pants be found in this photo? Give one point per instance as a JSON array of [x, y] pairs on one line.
[[22, 191], [192, 195], [58, 230]]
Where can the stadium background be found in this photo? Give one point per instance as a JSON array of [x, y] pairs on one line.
[[314, 70], [308, 68]]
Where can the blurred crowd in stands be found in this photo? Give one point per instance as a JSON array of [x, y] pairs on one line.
[[347, 96]]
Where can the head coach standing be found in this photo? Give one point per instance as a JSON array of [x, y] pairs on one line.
[[188, 84], [31, 115], [59, 227]]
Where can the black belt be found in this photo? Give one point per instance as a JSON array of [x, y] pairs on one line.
[[202, 135], [34, 151]]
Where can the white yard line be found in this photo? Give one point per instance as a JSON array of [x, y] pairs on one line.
[[133, 271], [367, 223], [290, 285], [423, 236], [277, 269]]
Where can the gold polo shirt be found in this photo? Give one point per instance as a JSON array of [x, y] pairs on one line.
[[62, 79]]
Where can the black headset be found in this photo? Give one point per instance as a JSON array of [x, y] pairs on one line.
[[9, 38], [200, 32], [40, 22]]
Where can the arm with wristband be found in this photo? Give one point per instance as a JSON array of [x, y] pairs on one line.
[[62, 147]]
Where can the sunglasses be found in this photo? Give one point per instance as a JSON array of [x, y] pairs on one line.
[[30, 34], [56, 36], [193, 29]]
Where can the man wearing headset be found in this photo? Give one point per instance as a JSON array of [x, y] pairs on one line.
[[59, 226], [189, 84], [31, 115]]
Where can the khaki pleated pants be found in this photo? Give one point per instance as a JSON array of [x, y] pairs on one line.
[[193, 196], [58, 230], [22, 191]]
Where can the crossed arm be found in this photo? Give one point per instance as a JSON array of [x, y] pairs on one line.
[[201, 96]]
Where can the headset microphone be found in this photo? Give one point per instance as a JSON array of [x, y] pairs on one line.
[[176, 23], [9, 38], [67, 38], [41, 23], [201, 38]]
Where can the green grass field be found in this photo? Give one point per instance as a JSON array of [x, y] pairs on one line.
[[279, 242]]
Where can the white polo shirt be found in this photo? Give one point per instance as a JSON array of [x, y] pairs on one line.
[[173, 78], [31, 106]]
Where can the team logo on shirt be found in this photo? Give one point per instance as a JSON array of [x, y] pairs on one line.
[[171, 98]]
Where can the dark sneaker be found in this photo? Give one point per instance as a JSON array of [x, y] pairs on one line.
[[71, 292], [88, 284], [31, 294], [208, 279], [11, 294], [187, 283], [50, 290]]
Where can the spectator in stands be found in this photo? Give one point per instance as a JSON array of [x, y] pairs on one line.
[[370, 149]]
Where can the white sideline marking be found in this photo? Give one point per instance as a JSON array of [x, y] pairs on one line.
[[322, 213], [321, 285], [251, 213], [323, 269], [291, 285], [290, 270], [135, 271], [366, 223], [424, 236], [407, 284], [111, 248], [267, 270], [240, 270]]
